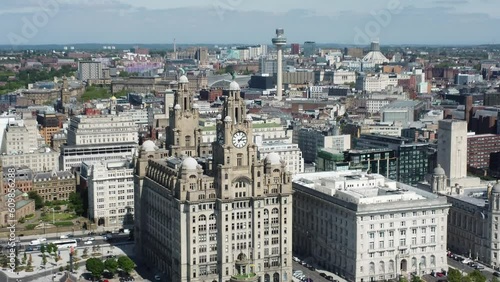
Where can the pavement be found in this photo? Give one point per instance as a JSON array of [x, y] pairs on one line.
[[117, 246], [315, 274]]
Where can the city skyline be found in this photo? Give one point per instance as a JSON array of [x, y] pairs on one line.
[[237, 21]]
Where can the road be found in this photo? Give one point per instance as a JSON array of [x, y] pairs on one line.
[[464, 268]]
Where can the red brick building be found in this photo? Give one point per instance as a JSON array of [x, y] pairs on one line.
[[479, 148]]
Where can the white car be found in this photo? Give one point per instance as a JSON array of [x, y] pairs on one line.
[[466, 261], [63, 237], [87, 243], [42, 239]]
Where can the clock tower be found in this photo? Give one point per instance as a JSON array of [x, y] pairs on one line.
[[234, 152]]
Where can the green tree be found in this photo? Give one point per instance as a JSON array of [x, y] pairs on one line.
[[42, 249], [38, 199], [44, 259], [415, 278], [95, 266], [476, 276], [495, 279], [454, 275], [111, 265], [126, 264], [403, 279], [25, 258]]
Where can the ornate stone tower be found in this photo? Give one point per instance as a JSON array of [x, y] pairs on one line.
[[438, 180], [65, 93], [234, 152], [183, 132], [255, 200]]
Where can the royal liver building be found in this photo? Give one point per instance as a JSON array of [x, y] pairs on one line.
[[224, 219]]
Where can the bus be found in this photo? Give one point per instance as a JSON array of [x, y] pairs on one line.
[[65, 244]]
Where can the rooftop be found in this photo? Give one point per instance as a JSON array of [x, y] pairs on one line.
[[360, 188], [254, 125]]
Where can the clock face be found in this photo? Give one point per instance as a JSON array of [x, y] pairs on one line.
[[240, 139]]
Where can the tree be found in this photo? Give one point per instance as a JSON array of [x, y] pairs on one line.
[[25, 257], [494, 279], [476, 276], [44, 260], [42, 249], [38, 199], [111, 265], [95, 266], [415, 278], [126, 264], [454, 275]]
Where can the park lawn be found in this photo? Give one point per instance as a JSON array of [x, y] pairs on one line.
[[61, 216]]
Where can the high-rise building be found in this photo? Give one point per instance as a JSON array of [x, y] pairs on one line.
[[309, 49], [21, 136], [452, 148], [89, 70], [225, 220], [110, 192], [295, 49]]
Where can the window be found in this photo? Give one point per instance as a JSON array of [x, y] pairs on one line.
[[239, 159]]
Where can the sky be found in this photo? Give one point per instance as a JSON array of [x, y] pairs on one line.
[[449, 22]]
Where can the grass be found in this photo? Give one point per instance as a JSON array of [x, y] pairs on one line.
[[61, 216], [96, 93], [64, 223], [30, 226]]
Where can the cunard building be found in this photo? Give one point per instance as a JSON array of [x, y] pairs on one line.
[[227, 219]]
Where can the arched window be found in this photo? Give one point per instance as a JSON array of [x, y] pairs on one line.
[[188, 141], [372, 268], [202, 218], [276, 170], [433, 261], [192, 176], [266, 212], [275, 211], [212, 217]]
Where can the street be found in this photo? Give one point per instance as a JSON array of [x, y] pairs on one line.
[[464, 268]]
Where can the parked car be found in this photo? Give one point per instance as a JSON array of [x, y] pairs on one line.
[[496, 273], [478, 266]]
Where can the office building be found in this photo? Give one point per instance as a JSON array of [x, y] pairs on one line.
[[479, 148], [404, 112], [311, 140], [97, 138], [21, 136], [295, 49], [309, 49], [110, 192], [452, 149], [89, 70], [368, 228], [231, 221]]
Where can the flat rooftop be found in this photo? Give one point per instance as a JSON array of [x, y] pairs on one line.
[[360, 188]]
